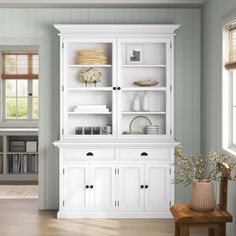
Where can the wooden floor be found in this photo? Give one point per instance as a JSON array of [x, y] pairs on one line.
[[21, 217]]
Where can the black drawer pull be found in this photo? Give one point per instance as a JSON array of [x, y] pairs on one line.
[[146, 186], [114, 88], [119, 88], [141, 186], [89, 154], [91, 186], [144, 154], [86, 186]]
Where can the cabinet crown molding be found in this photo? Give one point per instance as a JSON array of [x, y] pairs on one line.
[[117, 29]]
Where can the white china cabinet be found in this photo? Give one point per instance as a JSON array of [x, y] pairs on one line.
[[116, 141]]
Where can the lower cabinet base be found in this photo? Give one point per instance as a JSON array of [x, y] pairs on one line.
[[112, 215]]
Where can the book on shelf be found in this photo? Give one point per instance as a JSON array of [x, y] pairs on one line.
[[22, 163], [31, 146], [1, 163], [91, 108]]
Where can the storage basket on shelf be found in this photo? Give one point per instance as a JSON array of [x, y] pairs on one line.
[[91, 57]]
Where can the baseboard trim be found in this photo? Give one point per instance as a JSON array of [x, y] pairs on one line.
[[114, 215]]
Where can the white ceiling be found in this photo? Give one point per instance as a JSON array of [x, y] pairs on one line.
[[101, 3]]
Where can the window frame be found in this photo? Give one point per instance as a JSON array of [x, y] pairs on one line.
[[29, 104], [30, 77], [227, 95]]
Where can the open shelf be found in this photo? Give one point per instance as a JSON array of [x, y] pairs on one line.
[[30, 153], [89, 113], [79, 66], [90, 89], [17, 164], [142, 66], [143, 113], [144, 88], [20, 174]]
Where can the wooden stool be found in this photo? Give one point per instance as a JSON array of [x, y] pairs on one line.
[[214, 220]]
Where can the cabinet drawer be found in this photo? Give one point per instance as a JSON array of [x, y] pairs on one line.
[[88, 154], [141, 154]]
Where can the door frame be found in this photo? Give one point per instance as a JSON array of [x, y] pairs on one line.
[[40, 44]]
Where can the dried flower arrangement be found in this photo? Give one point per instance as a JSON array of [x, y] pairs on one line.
[[189, 168]]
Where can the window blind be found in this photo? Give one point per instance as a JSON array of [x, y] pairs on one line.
[[232, 49], [19, 65]]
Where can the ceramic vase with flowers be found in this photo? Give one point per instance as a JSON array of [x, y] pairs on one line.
[[201, 172]]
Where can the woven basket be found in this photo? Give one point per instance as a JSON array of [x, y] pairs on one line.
[[91, 57]]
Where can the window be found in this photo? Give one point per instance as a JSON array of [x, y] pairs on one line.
[[229, 90], [20, 86], [233, 108]]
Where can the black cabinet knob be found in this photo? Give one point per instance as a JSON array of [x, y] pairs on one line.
[[144, 154], [91, 186], [89, 154], [141, 186], [86, 186], [114, 88], [118, 88], [146, 186]]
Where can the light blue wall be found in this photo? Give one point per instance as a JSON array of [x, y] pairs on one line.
[[37, 23], [213, 14]]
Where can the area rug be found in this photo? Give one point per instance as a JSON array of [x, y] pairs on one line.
[[19, 191]]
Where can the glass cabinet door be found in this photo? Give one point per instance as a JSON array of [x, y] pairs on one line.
[[144, 78], [88, 79]]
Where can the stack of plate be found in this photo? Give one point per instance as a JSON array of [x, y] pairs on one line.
[[152, 129]]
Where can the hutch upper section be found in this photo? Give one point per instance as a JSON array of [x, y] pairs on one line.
[[117, 82]]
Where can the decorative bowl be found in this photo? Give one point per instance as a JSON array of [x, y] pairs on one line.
[[146, 82]]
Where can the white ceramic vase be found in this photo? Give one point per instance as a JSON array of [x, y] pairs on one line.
[[136, 103], [203, 197], [145, 102]]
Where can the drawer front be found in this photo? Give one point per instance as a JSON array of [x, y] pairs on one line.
[[141, 154], [88, 154]]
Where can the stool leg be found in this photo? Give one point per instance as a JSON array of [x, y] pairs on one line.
[[222, 229], [184, 230], [212, 232], [177, 229]]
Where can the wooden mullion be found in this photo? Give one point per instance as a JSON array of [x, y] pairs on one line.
[[27, 76], [30, 64]]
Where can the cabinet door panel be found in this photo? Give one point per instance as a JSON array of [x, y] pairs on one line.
[[131, 196], [102, 193], [76, 196], [157, 195]]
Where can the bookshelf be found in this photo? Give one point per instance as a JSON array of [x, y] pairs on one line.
[[19, 156]]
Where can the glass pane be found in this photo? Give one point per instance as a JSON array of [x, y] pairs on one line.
[[22, 88], [22, 64], [11, 108], [234, 88], [35, 64], [10, 61], [35, 108], [10, 88], [35, 88], [22, 105], [234, 125]]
